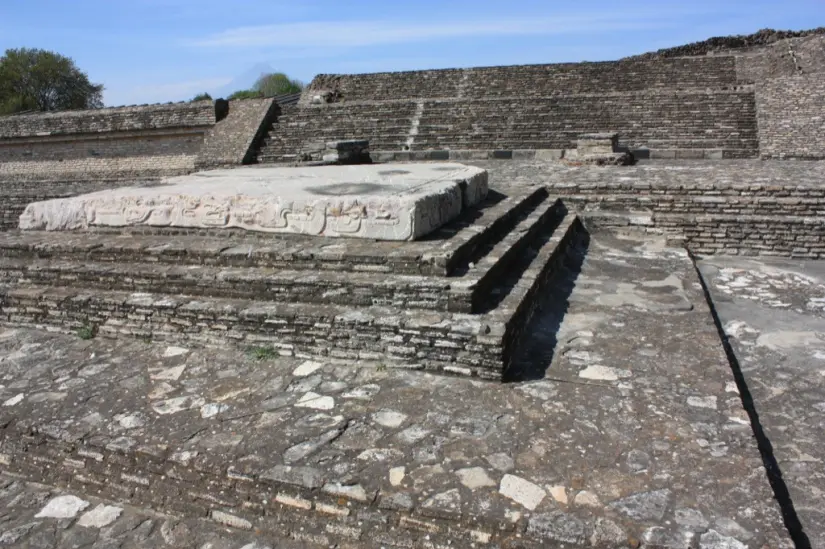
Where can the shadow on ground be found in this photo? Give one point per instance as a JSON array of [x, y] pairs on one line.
[[535, 353]]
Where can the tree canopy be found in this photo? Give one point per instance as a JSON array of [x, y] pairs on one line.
[[202, 97], [270, 85], [277, 83], [246, 94], [34, 79]]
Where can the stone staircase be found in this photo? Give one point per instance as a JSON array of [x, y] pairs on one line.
[[456, 302], [657, 120]]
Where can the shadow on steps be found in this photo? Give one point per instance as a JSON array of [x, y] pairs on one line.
[[536, 350]]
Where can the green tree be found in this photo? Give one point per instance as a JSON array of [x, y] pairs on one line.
[[34, 79], [202, 97], [245, 94], [277, 83]]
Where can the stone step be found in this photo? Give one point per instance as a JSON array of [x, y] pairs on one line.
[[476, 345], [439, 254], [468, 291]]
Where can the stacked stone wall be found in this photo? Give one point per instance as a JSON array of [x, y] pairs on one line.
[[531, 80], [153, 139], [120, 145], [235, 139], [791, 115], [711, 218], [96, 121], [58, 154], [663, 120]]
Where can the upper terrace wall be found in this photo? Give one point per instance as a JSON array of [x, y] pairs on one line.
[[150, 140], [531, 80], [57, 154], [791, 114], [99, 121]]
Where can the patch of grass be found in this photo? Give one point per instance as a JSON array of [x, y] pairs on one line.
[[263, 353], [87, 331]]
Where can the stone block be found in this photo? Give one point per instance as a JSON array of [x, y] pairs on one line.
[[662, 154], [502, 155], [368, 201], [549, 154], [524, 154], [690, 154], [598, 143]]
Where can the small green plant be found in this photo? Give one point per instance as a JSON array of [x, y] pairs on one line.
[[87, 331], [263, 353], [381, 368]]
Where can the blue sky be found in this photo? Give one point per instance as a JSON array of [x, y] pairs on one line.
[[147, 51]]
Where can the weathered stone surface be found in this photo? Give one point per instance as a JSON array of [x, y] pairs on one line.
[[356, 201], [772, 311], [624, 441]]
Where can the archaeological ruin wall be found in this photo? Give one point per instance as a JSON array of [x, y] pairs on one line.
[[755, 216], [235, 139], [792, 117], [665, 106], [59, 154], [529, 80]]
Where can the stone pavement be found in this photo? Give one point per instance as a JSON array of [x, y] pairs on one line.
[[622, 427], [34, 516], [773, 312]]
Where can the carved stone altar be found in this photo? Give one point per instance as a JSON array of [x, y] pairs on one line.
[[384, 202]]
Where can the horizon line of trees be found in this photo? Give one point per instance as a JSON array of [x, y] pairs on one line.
[[33, 79]]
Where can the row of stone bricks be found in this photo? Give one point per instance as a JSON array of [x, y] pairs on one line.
[[781, 236], [704, 205], [110, 145], [477, 345], [372, 334], [144, 117], [630, 75], [667, 121], [457, 244], [469, 292], [791, 122], [294, 502], [136, 168]]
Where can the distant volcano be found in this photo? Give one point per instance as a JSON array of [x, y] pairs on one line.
[[243, 81]]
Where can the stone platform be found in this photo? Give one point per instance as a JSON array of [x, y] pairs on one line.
[[457, 301], [401, 202], [602, 440]]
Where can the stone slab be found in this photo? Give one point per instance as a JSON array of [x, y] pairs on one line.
[[401, 202], [773, 312]]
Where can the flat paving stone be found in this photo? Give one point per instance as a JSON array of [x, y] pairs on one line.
[[773, 312], [405, 457]]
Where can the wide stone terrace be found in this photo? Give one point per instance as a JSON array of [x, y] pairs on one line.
[[621, 427], [773, 312]]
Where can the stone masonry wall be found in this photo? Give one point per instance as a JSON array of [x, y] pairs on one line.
[[235, 139], [531, 80], [791, 117], [663, 120], [710, 218], [146, 117], [58, 154], [109, 145]]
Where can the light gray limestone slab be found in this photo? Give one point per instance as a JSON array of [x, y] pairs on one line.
[[383, 202]]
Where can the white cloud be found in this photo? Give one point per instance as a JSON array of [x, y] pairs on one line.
[[328, 34]]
